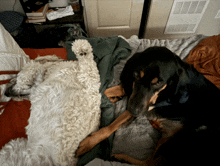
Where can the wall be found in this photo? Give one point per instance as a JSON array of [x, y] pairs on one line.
[[159, 14], [8, 5]]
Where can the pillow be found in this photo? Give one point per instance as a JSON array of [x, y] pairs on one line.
[[8, 44], [12, 58]]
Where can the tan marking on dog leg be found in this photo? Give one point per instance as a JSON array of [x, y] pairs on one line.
[[114, 93], [91, 141]]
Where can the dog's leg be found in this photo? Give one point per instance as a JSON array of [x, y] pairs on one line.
[[91, 141], [115, 93]]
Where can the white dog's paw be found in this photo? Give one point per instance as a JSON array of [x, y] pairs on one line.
[[82, 49]]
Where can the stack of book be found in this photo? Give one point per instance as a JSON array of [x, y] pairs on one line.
[[38, 16]]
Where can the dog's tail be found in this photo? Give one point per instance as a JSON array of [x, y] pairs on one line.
[[82, 49]]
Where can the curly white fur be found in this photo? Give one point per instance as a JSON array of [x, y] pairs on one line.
[[65, 108]]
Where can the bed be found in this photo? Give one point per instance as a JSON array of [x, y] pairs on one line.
[[137, 139]]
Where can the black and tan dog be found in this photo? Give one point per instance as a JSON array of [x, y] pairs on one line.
[[178, 101]]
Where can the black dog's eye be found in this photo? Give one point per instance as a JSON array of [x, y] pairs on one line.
[[156, 82]]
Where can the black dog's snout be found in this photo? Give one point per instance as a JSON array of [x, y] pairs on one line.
[[135, 107]]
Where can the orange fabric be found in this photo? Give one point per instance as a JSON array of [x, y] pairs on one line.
[[13, 120], [6, 81], [16, 113], [34, 53], [9, 72], [205, 57]]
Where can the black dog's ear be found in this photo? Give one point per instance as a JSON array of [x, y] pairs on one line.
[[173, 83], [176, 90], [179, 88], [175, 79], [179, 71]]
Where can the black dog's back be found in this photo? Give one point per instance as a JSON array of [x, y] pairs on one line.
[[198, 141]]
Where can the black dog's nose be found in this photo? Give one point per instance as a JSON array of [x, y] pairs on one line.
[[9, 92], [135, 110]]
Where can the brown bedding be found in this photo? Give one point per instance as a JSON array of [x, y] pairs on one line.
[[205, 57]]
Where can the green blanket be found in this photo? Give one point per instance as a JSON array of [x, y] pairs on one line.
[[107, 53]]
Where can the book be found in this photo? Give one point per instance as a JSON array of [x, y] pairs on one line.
[[36, 20], [37, 17], [40, 12]]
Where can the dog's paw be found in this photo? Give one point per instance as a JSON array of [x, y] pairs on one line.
[[115, 93], [86, 145], [92, 140]]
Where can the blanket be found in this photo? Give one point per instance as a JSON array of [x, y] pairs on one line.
[[138, 139], [205, 58]]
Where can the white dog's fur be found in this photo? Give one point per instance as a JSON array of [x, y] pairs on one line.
[[65, 108]]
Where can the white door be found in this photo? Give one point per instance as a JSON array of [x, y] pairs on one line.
[[104, 18]]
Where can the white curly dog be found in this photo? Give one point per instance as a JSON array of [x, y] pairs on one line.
[[65, 109]]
